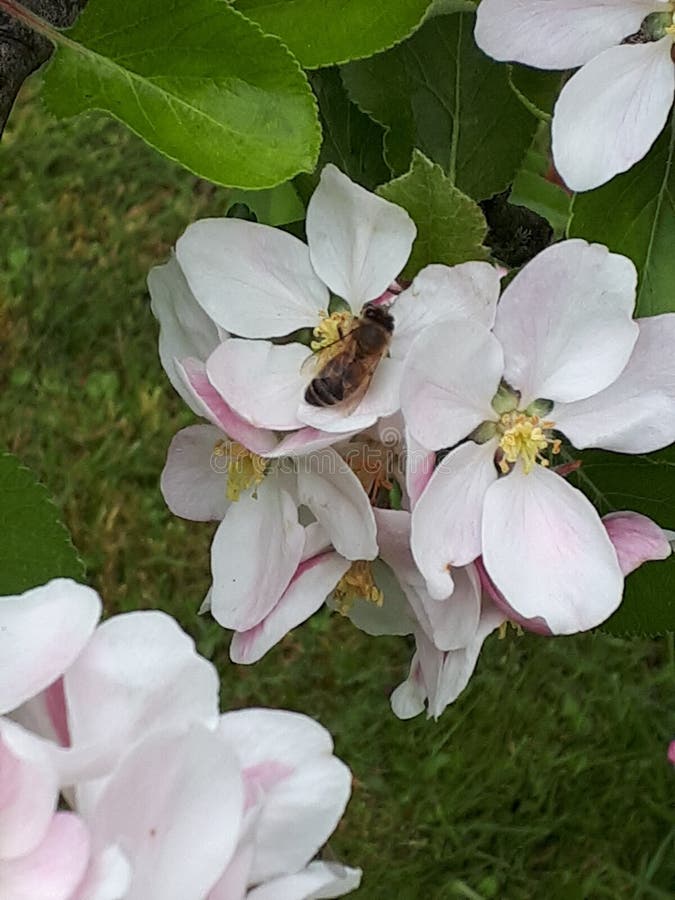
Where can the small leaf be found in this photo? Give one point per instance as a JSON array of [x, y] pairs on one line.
[[34, 545], [450, 225], [197, 81], [274, 206], [635, 215], [644, 484], [335, 31], [438, 92]]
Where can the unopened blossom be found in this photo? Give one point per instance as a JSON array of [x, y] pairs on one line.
[[259, 282], [612, 110], [170, 800], [565, 361]]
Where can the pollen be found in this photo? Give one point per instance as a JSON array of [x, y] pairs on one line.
[[357, 584], [244, 469], [331, 329], [527, 438]]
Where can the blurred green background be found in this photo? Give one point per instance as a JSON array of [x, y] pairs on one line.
[[547, 778]]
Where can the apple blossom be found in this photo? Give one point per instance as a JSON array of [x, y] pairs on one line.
[[184, 803], [565, 359], [612, 110], [260, 282]]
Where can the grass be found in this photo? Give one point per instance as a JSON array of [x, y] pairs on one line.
[[546, 779]]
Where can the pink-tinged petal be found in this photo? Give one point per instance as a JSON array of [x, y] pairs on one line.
[[262, 382], [635, 414], [454, 620], [381, 399], [556, 34], [442, 293], [174, 807], [41, 633], [358, 242], [316, 541], [305, 440], [254, 553], [53, 869], [318, 880], [312, 582], [46, 715], [333, 493], [194, 479], [299, 806], [451, 374], [419, 467], [446, 522], [232, 883], [108, 876], [28, 791], [671, 753], [547, 551], [536, 625], [139, 672], [254, 280], [212, 406], [565, 322], [184, 328], [636, 539], [610, 113], [409, 698]]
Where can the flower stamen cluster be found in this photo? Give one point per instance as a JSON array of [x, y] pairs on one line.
[[525, 437], [357, 584], [244, 468]]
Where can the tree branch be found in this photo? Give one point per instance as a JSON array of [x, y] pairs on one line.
[[22, 50]]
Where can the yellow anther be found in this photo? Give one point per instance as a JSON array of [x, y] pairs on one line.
[[525, 437], [244, 469], [357, 584], [331, 328]]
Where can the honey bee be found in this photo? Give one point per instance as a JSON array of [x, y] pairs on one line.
[[352, 360]]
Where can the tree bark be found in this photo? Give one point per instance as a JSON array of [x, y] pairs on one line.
[[22, 51]]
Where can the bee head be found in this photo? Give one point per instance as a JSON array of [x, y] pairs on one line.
[[380, 315]]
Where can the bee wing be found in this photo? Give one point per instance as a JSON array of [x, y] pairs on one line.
[[319, 359], [368, 368]]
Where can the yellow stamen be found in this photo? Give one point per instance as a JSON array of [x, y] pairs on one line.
[[357, 584], [331, 328], [244, 468], [525, 437]]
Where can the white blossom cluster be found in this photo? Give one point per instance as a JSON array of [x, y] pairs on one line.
[[412, 473]]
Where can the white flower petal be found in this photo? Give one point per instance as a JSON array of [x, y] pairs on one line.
[[546, 550], [184, 328], [254, 280], [319, 880], [329, 488], [419, 467], [305, 440], [42, 631], [442, 293], [610, 113], [312, 582], [28, 791], [556, 34], [635, 414], [565, 322], [254, 553], [139, 672], [358, 242], [451, 374], [53, 869], [381, 399], [446, 521], [212, 406], [191, 485], [108, 876], [262, 382], [174, 806], [408, 699]]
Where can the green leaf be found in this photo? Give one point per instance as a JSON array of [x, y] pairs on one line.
[[197, 81], [537, 89], [275, 206], [34, 546], [635, 215], [450, 225], [446, 7], [333, 31], [440, 93], [645, 484]]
